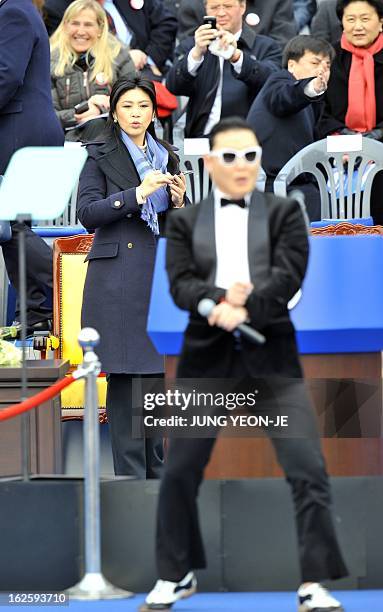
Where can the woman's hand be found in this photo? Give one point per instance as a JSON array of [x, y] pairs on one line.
[[153, 181], [101, 101], [178, 190], [91, 113], [139, 58]]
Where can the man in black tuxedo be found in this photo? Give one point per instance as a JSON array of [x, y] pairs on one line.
[[219, 87], [247, 251], [287, 109], [276, 18], [151, 29]]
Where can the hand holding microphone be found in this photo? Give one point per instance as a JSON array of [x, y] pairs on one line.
[[229, 318]]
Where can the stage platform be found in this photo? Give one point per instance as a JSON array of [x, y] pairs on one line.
[[248, 529], [353, 601]]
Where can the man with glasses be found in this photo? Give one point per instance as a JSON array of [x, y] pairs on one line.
[[246, 252], [276, 18], [225, 82]]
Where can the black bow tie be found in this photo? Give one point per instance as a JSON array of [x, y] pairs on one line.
[[241, 203]]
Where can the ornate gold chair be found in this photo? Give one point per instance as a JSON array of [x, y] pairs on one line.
[[69, 278]]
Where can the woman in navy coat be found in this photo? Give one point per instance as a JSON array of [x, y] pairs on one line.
[[128, 183]]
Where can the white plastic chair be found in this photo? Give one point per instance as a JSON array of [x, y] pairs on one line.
[[198, 184], [314, 159]]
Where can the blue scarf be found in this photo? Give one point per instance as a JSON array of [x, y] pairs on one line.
[[156, 158]]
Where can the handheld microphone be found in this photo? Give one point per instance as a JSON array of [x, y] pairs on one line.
[[205, 308]]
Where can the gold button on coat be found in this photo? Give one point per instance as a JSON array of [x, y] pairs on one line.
[[130, 245], [117, 204]]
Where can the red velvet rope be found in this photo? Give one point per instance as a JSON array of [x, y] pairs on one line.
[[32, 402]]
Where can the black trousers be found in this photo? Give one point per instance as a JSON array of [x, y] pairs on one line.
[[179, 546], [138, 457], [39, 268]]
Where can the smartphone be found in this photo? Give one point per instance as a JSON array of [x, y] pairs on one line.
[[211, 20], [82, 107]]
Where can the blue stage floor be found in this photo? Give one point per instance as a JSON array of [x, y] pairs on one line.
[[353, 601]]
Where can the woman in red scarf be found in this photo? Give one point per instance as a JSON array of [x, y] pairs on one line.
[[354, 97]]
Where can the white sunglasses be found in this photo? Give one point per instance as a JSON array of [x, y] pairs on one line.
[[229, 157]]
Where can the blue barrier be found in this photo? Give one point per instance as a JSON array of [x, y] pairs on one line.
[[340, 311]]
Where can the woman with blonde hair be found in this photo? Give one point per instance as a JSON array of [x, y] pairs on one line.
[[85, 61]]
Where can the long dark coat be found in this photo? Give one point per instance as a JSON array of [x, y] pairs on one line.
[[27, 116], [121, 261]]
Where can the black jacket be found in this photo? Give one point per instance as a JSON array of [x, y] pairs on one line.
[[325, 23], [27, 116], [284, 119], [276, 18], [336, 97], [261, 58], [154, 26], [278, 251]]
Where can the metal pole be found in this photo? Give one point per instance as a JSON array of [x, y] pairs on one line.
[[92, 473], [93, 585], [25, 418]]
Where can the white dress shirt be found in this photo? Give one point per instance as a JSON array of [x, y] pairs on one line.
[[193, 65], [231, 241], [122, 30]]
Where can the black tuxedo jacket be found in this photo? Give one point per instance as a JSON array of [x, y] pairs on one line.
[[278, 252]]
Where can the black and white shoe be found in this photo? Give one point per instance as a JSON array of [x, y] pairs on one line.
[[315, 598], [166, 593]]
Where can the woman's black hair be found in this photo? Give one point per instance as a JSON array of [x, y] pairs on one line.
[[121, 86], [341, 5]]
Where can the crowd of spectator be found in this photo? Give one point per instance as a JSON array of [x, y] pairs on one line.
[[256, 59], [169, 41]]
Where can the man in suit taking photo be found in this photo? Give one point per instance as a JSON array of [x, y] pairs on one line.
[[222, 67], [275, 18], [246, 252]]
